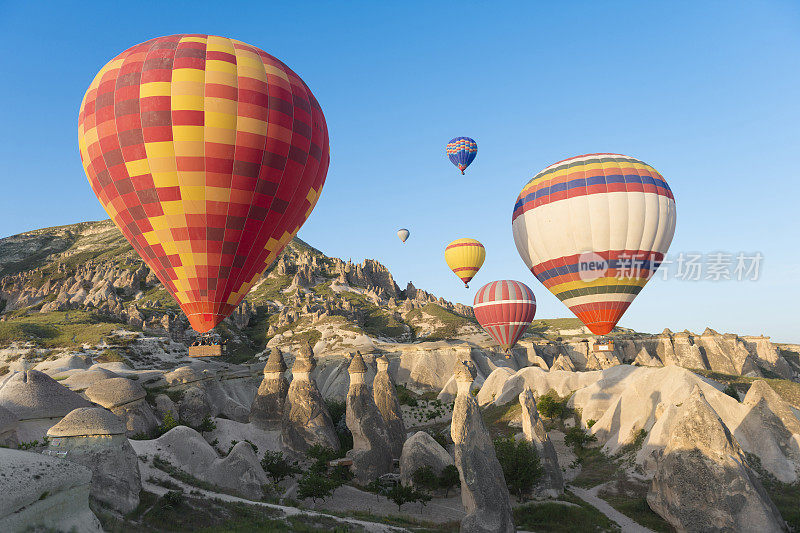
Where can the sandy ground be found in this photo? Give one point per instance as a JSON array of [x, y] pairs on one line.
[[565, 456]]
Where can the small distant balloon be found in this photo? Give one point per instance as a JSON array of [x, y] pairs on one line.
[[504, 309], [465, 257], [462, 152], [403, 233]]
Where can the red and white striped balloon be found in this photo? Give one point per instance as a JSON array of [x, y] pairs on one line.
[[505, 309]]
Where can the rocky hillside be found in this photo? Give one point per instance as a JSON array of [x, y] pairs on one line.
[[82, 289]]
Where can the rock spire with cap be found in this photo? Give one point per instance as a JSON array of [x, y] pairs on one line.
[[267, 408], [484, 493], [371, 453], [305, 420], [95, 438], [385, 396], [126, 399]]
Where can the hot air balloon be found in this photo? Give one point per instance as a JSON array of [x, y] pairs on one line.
[[403, 233], [505, 309], [594, 229], [465, 257], [462, 152], [208, 154]]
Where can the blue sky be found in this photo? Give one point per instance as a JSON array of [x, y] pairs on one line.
[[706, 92]]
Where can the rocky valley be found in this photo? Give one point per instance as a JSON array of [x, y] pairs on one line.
[[331, 368]]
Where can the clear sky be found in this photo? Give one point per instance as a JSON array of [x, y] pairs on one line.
[[706, 92]]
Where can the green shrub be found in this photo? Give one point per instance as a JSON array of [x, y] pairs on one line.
[[336, 409], [551, 405], [590, 422], [578, 438], [207, 425], [321, 455], [168, 423], [405, 396], [520, 464], [173, 499], [277, 467], [449, 478]]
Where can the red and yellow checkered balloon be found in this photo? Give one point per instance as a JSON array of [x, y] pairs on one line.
[[209, 154]]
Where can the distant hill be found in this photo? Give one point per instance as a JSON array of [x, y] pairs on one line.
[[72, 285]]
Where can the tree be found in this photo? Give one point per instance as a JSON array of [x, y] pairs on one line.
[[320, 455], [448, 478], [277, 467], [520, 464], [424, 477], [316, 486], [401, 494]]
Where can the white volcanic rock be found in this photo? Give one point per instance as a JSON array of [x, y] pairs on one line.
[[371, 453], [41, 492], [8, 428], [82, 380], [183, 447], [703, 483], [38, 401], [126, 399], [483, 488], [422, 450], [306, 420], [267, 408], [95, 438], [385, 397], [551, 483], [493, 384]]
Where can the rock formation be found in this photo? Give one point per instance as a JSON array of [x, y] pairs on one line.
[[267, 409], [371, 453], [422, 450], [551, 483], [96, 439], [126, 399], [703, 483], [483, 488], [194, 404], [38, 401], [41, 493], [80, 381], [8, 428], [385, 396], [562, 362], [306, 420], [240, 471]]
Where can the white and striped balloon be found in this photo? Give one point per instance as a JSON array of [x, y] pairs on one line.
[[594, 229], [505, 309]]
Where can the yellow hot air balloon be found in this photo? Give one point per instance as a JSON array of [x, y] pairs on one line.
[[465, 257]]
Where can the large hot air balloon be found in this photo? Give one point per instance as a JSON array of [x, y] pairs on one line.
[[462, 152], [593, 229], [465, 257], [505, 309], [208, 154], [403, 233]]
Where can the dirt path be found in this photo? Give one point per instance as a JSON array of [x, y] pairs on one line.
[[590, 496], [148, 472]]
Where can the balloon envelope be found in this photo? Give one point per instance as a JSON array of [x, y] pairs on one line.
[[505, 309], [593, 229], [403, 234], [462, 152], [208, 154], [465, 257]]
